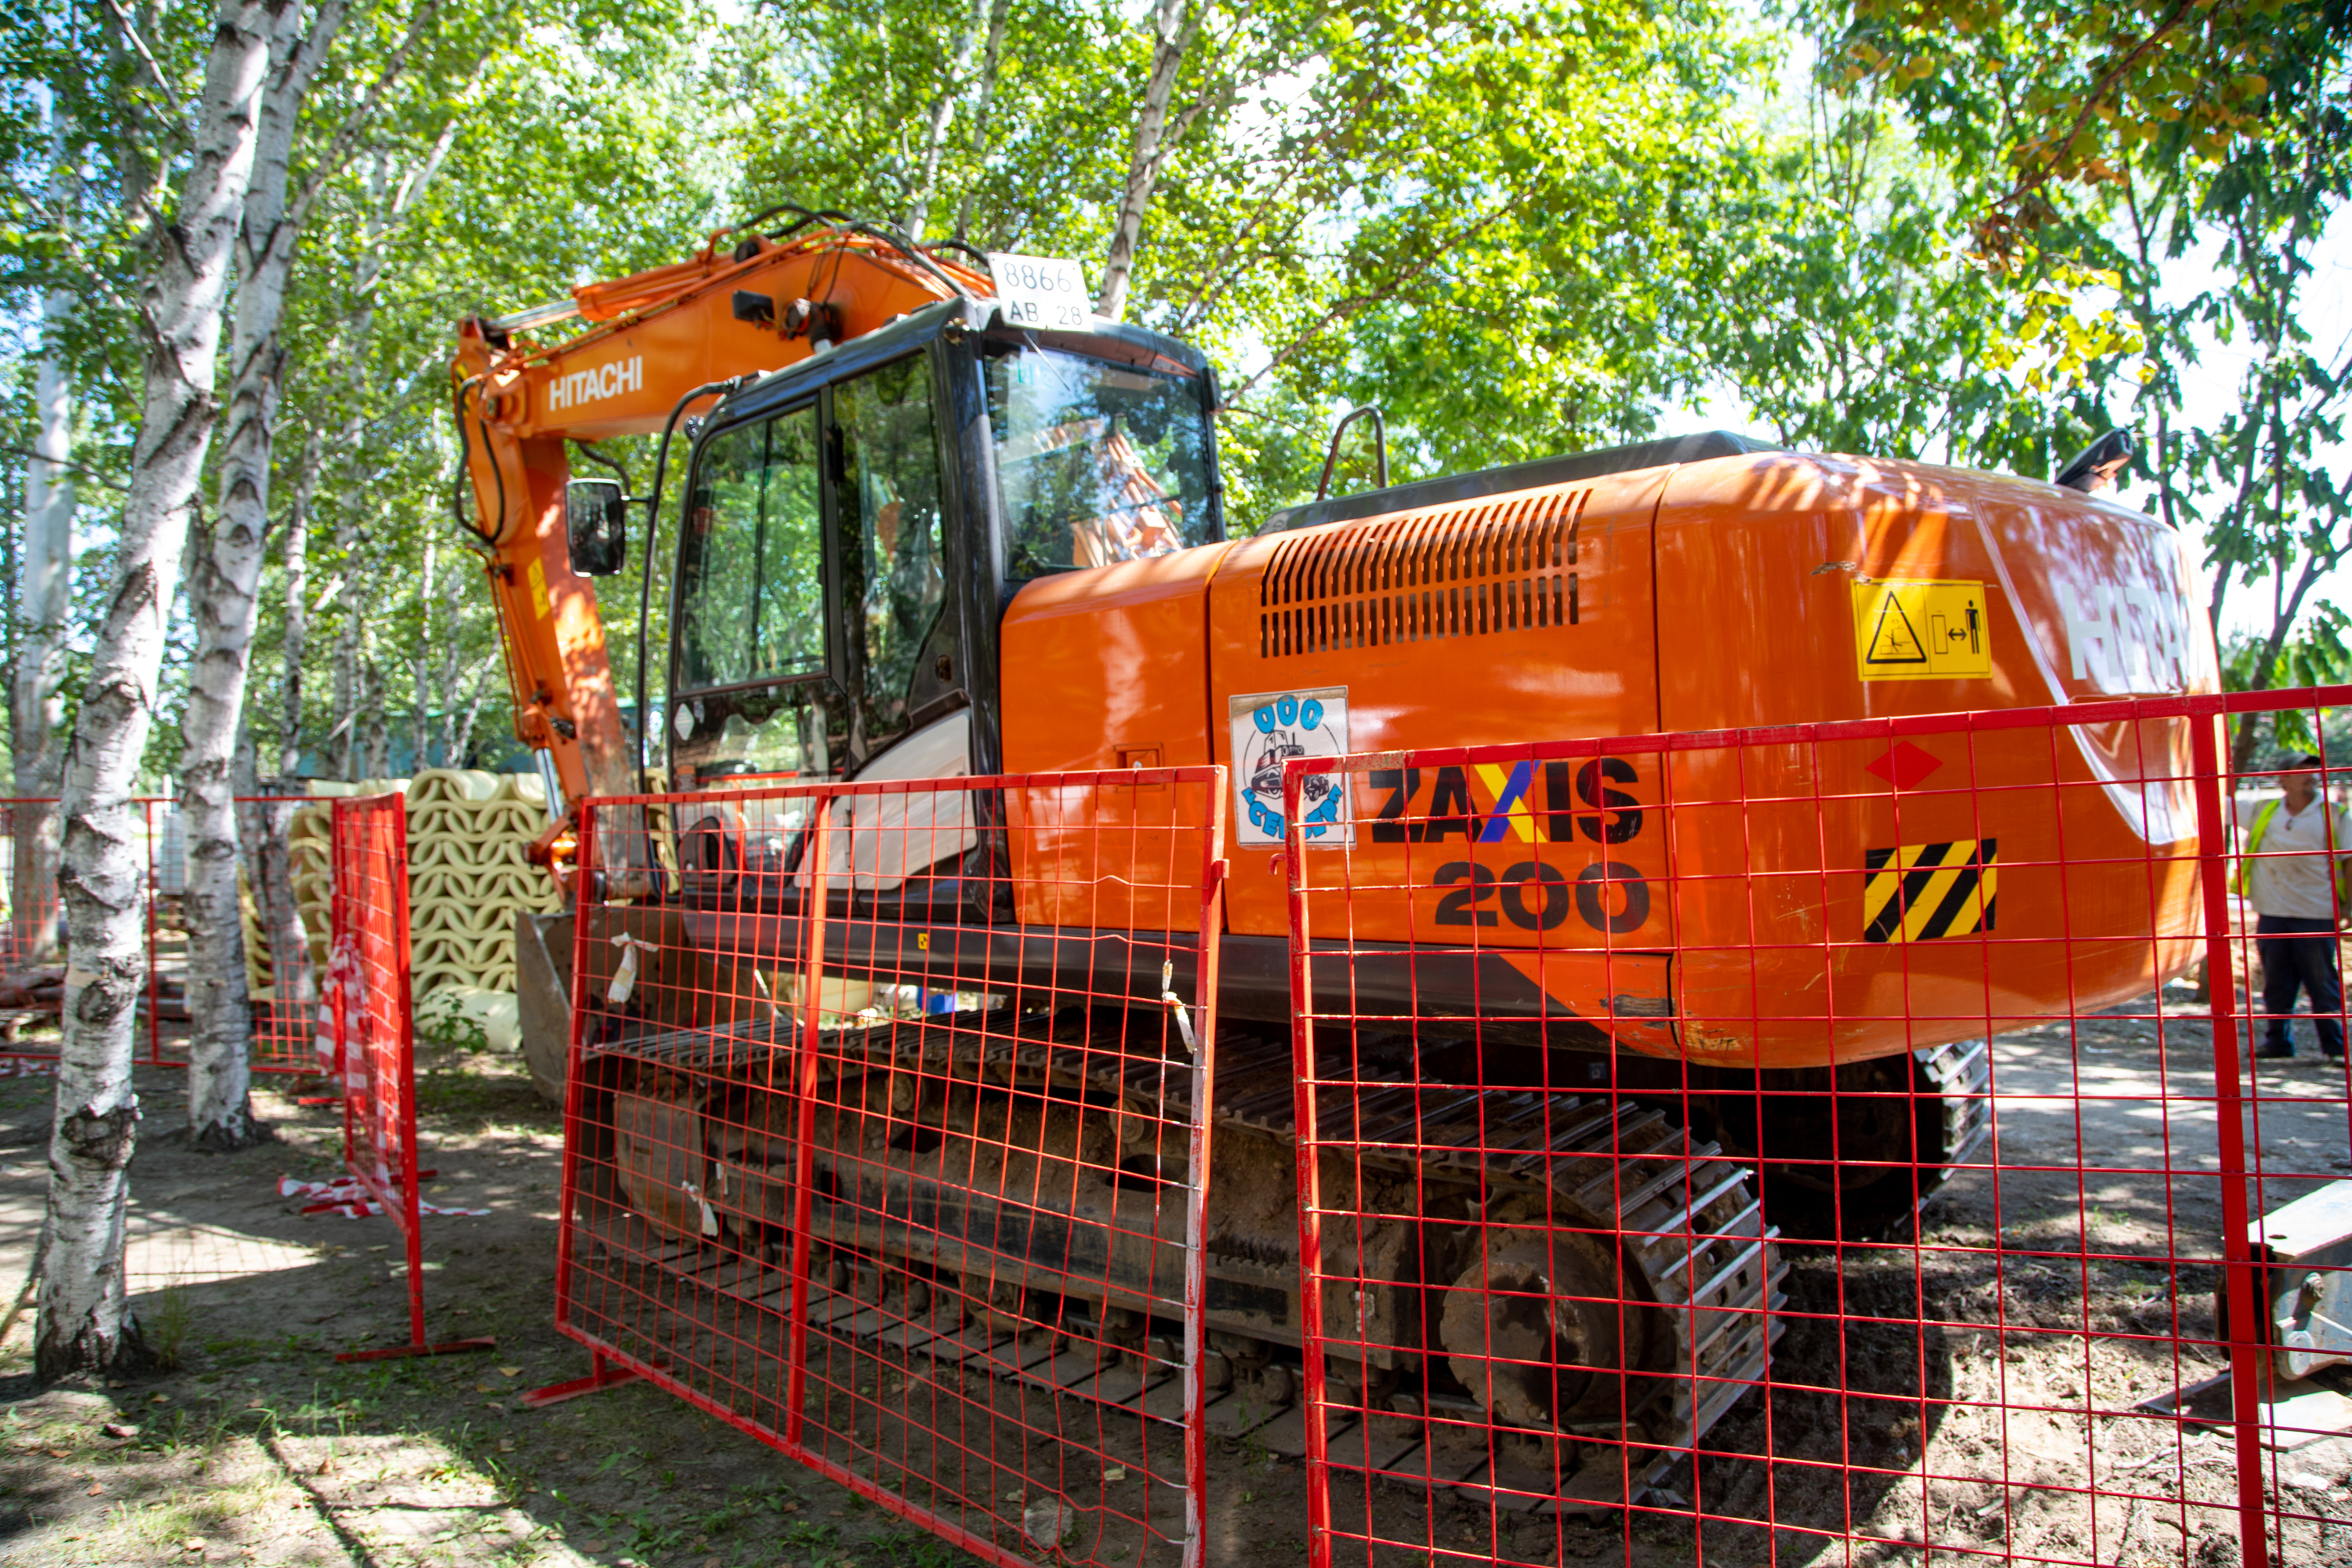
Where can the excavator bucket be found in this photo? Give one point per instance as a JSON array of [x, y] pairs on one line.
[[543, 946]]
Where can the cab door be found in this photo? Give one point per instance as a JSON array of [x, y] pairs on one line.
[[898, 626], [814, 635], [889, 514]]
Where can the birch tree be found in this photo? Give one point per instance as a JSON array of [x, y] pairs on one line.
[[45, 597], [224, 593], [2165, 130], [943, 107], [1174, 25], [983, 102], [83, 1324], [45, 579]]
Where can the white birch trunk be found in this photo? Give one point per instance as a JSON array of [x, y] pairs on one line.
[[44, 598], [344, 740], [461, 724], [349, 762], [294, 987], [375, 726], [224, 595], [296, 641], [420, 729], [983, 100], [1174, 23], [44, 605], [390, 200], [83, 1325], [935, 134]]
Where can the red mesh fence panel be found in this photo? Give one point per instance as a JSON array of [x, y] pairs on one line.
[[372, 1032], [1810, 1145], [288, 1023], [32, 961], [2283, 897], [36, 936], [887, 1138]]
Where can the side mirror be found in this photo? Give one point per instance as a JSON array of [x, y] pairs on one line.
[[596, 526]]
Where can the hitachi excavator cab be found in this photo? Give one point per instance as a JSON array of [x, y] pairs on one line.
[[855, 525]]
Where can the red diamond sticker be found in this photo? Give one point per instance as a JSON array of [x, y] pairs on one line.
[[1905, 765]]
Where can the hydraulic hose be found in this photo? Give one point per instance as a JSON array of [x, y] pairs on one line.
[[610, 464], [971, 250], [908, 249], [464, 465]]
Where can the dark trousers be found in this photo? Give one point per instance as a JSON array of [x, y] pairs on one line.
[[2300, 955]]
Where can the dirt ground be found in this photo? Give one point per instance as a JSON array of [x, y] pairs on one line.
[[260, 1448], [1975, 1433]]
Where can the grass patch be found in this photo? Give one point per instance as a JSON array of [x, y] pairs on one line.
[[166, 1324], [479, 1087]]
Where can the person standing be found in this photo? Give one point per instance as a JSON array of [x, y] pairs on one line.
[[2296, 868]]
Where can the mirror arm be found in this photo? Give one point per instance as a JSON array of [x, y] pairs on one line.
[[611, 465], [620, 471]]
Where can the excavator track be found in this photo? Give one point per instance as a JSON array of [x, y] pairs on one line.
[[1852, 1152], [1676, 1227]]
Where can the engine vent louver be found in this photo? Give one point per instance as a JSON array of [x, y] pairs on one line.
[[1461, 570]]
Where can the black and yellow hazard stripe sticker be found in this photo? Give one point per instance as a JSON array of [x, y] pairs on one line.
[[1916, 893]]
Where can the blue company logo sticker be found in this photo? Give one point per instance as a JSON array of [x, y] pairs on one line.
[[1269, 729]]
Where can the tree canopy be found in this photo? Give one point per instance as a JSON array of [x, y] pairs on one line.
[[1971, 229]]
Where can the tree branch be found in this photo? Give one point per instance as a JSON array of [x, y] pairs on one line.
[[92, 475], [1356, 302], [2027, 185], [347, 135], [154, 72]]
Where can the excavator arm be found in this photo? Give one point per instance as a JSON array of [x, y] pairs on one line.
[[657, 343]]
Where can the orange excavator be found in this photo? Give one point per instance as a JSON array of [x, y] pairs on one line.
[[932, 519]]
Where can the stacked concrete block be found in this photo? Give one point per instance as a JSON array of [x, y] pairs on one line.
[[468, 874], [309, 852]]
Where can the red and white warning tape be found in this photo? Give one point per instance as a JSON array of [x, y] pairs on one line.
[[345, 1196]]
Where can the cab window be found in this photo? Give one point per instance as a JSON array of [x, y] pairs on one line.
[[1095, 462], [895, 583], [751, 565]]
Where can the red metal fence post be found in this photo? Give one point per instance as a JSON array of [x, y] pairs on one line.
[[1310, 1186], [574, 1087], [2241, 1281], [393, 826], [1204, 1042], [154, 1023], [807, 1044]]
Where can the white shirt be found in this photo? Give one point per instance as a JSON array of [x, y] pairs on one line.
[[2292, 870]]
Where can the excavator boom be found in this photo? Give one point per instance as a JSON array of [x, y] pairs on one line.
[[657, 343]]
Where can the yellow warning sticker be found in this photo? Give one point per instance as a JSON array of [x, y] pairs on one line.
[[538, 575], [1922, 630]]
